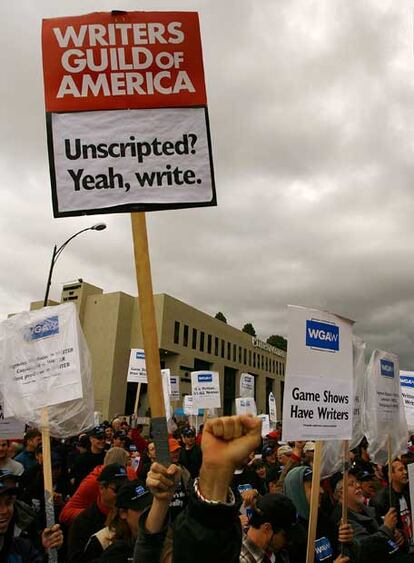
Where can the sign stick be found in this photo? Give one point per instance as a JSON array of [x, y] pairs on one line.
[[137, 399], [345, 483], [389, 468], [314, 505], [47, 478], [149, 333]]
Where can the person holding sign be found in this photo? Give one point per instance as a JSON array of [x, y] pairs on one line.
[[297, 487], [372, 541]]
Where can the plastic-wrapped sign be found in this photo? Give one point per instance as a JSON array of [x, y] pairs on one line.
[[45, 363], [175, 387], [332, 456], [137, 371], [272, 409], [189, 408], [384, 408], [265, 424], [246, 385], [407, 391], [318, 400], [205, 389], [246, 405]]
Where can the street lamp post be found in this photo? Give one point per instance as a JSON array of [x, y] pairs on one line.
[[58, 251]]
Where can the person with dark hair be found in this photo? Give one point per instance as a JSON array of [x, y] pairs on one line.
[[94, 456], [16, 545], [93, 518], [272, 522], [190, 455], [27, 458], [131, 500]]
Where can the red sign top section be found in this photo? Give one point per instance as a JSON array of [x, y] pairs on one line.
[[128, 60]]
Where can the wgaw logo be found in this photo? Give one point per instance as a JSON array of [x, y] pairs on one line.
[[46, 327], [205, 378], [322, 335], [387, 368]]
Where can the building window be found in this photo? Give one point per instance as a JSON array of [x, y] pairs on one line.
[[185, 336], [222, 348], [209, 341], [194, 339], [201, 341], [254, 359], [176, 332], [267, 364], [244, 356], [228, 351], [234, 352], [262, 362], [216, 352], [240, 355], [250, 358]]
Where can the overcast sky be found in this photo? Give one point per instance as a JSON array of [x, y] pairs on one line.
[[312, 127]]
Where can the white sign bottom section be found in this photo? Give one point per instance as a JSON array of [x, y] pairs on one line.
[[104, 159], [246, 405], [317, 408]]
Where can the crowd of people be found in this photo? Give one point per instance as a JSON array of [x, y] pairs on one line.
[[228, 496]]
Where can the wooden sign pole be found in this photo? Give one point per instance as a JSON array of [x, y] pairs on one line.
[[137, 399], [149, 334], [389, 469], [345, 483], [47, 478], [314, 505]]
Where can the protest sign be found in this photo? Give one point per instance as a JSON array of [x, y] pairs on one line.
[[189, 408], [407, 391], [41, 363], [318, 401], [272, 409], [175, 387], [137, 371], [10, 427], [384, 417], [246, 385], [246, 405], [127, 118], [265, 424], [205, 388]]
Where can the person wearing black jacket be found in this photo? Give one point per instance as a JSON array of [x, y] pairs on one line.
[[371, 542], [190, 454], [400, 500]]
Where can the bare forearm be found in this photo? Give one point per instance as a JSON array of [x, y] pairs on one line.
[[214, 482], [157, 515]]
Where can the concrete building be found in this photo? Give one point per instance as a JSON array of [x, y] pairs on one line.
[[188, 339]]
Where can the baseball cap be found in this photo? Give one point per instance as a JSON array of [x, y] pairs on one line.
[[284, 450], [8, 483], [173, 444], [267, 450], [364, 476], [278, 510], [307, 474], [133, 495], [83, 441], [309, 447], [189, 432], [120, 434], [112, 472], [97, 431]]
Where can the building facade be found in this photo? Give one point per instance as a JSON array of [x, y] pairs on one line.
[[188, 340]]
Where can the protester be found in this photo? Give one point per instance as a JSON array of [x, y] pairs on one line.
[[6, 462], [284, 454], [190, 455], [19, 547], [400, 499], [88, 490], [373, 542], [297, 487], [27, 458], [93, 518], [87, 461], [308, 453], [209, 530]]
